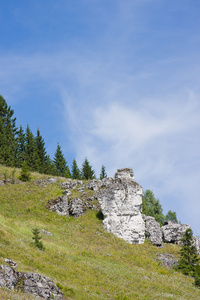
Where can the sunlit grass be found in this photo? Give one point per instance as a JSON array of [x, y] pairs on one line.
[[84, 259]]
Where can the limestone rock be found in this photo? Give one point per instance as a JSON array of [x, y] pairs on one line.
[[67, 192], [167, 260], [121, 203], [197, 244], [59, 205], [47, 233], [71, 184], [29, 283], [153, 230], [41, 286], [173, 232], [124, 173], [94, 185], [76, 207], [8, 277], [11, 263], [52, 180]]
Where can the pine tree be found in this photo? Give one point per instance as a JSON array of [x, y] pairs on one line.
[[8, 132], [41, 153], [189, 260], [75, 172], [31, 155], [20, 147], [67, 173], [103, 173], [87, 172], [60, 161], [37, 239]]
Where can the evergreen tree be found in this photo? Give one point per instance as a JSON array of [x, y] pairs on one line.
[[67, 173], [103, 173], [60, 161], [20, 147], [171, 216], [189, 261], [37, 239], [87, 172], [25, 174], [8, 132], [75, 172], [152, 207], [41, 153], [31, 155], [51, 168]]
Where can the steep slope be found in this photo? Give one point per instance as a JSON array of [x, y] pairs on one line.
[[84, 259]]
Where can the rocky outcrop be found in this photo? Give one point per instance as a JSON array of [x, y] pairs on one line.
[[76, 207], [173, 232], [197, 244], [121, 203], [167, 260], [29, 283], [71, 184], [59, 205], [94, 185], [152, 230]]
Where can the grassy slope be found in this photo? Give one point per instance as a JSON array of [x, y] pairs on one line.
[[87, 261]]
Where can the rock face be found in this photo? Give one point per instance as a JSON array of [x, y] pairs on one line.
[[173, 232], [153, 230], [29, 283], [121, 203], [59, 205], [197, 244], [76, 207]]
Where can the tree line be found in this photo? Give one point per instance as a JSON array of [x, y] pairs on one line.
[[19, 147]]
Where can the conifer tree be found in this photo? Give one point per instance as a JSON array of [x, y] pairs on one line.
[[67, 173], [60, 161], [31, 155], [41, 153], [87, 172], [171, 215], [20, 147], [151, 207], [103, 172], [37, 239], [75, 172], [189, 261], [8, 132]]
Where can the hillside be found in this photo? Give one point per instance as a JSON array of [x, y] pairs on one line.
[[86, 261]]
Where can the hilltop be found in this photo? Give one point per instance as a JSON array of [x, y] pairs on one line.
[[85, 260]]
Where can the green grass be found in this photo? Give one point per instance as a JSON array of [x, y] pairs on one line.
[[84, 259]]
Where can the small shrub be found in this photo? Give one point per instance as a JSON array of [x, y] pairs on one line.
[[36, 237], [13, 176], [5, 174], [25, 174]]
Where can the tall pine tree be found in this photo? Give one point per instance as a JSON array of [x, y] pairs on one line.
[[41, 153], [60, 161], [87, 172], [103, 173], [189, 261], [31, 155], [20, 147], [8, 130], [75, 172]]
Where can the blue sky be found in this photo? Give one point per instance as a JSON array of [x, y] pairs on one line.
[[116, 81]]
